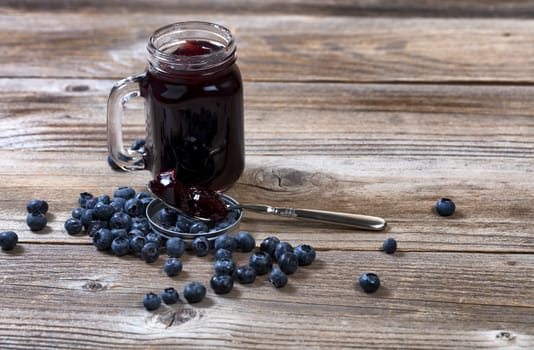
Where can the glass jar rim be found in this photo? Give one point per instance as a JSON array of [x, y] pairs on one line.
[[163, 39]]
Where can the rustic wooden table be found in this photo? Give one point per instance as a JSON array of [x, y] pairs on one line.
[[356, 106]]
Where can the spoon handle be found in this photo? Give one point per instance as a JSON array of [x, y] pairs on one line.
[[363, 222]]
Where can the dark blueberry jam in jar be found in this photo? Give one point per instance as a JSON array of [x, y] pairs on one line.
[[194, 116]]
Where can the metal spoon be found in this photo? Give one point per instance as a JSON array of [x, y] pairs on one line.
[[358, 221]]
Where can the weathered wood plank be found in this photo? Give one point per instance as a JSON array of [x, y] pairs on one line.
[[493, 198], [402, 8], [278, 48], [76, 297]]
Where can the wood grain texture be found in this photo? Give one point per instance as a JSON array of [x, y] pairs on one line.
[[280, 48], [93, 299]]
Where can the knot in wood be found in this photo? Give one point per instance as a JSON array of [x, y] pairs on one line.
[[504, 335], [94, 286], [173, 317], [77, 88]]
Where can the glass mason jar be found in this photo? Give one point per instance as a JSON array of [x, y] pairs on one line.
[[194, 111]]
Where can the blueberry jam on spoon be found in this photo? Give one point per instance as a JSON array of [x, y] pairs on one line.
[[193, 201]]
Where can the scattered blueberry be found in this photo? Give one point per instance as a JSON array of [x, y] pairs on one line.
[[102, 239], [133, 207], [151, 301], [221, 284], [137, 243], [104, 199], [305, 254], [445, 207], [103, 211], [142, 194], [200, 246], [37, 206], [245, 274], [94, 226], [73, 226], [261, 262], [224, 267], [245, 242], [198, 227], [82, 199], [120, 220], [119, 232], [175, 247], [194, 292], [223, 254], [88, 215], [150, 252], [281, 248], [120, 246], [167, 216], [369, 282], [182, 224], [140, 223], [91, 203], [8, 240], [225, 241], [170, 296], [154, 237], [172, 267], [125, 192], [278, 278], [389, 245], [268, 245], [77, 213], [288, 263], [36, 221]]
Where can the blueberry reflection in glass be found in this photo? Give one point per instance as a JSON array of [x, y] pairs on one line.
[[194, 117]]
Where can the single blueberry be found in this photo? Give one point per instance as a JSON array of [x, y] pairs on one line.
[[200, 246], [232, 216], [73, 226], [133, 207], [167, 216], [125, 192], [170, 296], [117, 206], [288, 263], [278, 278], [245, 274], [261, 262], [150, 252], [172, 266], [389, 245], [94, 226], [224, 267], [175, 247], [136, 232], [142, 194], [37, 206], [140, 223], [104, 199], [281, 248], [226, 241], [120, 220], [369, 282], [88, 215], [445, 207], [82, 199], [221, 226], [154, 237], [221, 284], [120, 246], [103, 211], [198, 227], [137, 243], [194, 292], [145, 201], [77, 213], [91, 203], [8, 240], [36, 221], [119, 232], [119, 201], [182, 223], [223, 254], [102, 239], [268, 245], [305, 254], [151, 301], [245, 242]]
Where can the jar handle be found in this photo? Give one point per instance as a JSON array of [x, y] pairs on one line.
[[122, 92]]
